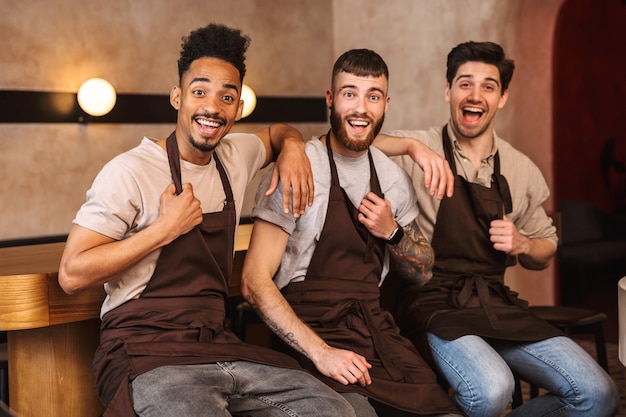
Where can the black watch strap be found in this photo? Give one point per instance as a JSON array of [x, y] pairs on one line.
[[396, 236]]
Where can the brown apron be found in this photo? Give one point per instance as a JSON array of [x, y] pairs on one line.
[[467, 294], [179, 317], [339, 300]]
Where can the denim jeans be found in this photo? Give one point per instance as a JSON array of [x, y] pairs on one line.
[[480, 374], [240, 387]]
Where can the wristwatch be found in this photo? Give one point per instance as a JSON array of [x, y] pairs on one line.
[[396, 235]]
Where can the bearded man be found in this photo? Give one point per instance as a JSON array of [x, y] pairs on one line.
[[315, 280]]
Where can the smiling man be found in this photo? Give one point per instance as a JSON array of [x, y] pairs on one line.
[[158, 230], [475, 328], [315, 280]]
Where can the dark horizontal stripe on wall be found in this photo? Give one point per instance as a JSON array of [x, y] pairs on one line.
[[53, 107]]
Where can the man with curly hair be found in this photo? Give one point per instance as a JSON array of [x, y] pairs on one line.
[[157, 230]]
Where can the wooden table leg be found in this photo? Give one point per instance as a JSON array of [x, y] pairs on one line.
[[50, 370]]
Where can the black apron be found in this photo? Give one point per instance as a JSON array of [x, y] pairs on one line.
[[467, 294], [339, 300], [179, 317]]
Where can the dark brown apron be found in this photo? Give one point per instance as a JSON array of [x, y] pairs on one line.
[[467, 294], [179, 317], [339, 300]]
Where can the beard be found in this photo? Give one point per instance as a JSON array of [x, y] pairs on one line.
[[206, 146], [203, 146], [338, 128]]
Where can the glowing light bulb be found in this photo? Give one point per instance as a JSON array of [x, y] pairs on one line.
[[249, 100], [96, 97]]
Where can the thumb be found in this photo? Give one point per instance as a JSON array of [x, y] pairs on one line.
[[187, 187], [274, 183], [170, 191]]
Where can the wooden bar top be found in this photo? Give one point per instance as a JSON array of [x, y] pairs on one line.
[[30, 296]]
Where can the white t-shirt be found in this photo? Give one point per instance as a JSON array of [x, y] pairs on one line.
[[125, 198], [354, 178]]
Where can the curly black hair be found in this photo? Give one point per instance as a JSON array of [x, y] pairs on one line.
[[214, 41]]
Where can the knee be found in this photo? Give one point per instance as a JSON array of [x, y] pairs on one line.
[[599, 394], [488, 397], [340, 407]]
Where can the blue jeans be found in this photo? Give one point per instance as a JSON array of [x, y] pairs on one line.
[[480, 373], [240, 387]]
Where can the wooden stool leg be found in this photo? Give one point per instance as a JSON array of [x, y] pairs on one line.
[[517, 393], [601, 346]]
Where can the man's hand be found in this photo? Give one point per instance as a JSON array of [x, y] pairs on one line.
[[438, 177], [294, 170], [178, 214], [344, 366], [506, 238], [375, 213], [534, 253]]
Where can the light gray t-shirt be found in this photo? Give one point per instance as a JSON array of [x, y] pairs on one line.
[[125, 198], [354, 178]]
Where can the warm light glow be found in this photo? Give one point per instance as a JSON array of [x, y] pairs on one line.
[[249, 100], [96, 97]]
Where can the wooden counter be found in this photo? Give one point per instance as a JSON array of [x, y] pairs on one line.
[[52, 336]]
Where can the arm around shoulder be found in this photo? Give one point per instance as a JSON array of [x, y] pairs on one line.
[[438, 177], [285, 145]]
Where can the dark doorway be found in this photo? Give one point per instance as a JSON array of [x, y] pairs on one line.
[[590, 152]]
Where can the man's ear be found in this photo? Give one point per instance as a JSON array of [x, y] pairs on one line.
[[239, 111], [175, 97], [503, 98]]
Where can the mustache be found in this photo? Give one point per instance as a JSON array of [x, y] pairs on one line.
[[214, 116]]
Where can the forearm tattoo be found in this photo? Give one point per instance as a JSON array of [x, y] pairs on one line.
[[286, 336], [413, 255]]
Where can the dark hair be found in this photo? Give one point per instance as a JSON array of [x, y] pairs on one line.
[[487, 52], [214, 41], [361, 62]]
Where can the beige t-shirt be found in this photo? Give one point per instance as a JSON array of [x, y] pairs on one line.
[[125, 198], [528, 187]]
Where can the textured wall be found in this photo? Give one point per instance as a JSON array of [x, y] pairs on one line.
[[46, 169]]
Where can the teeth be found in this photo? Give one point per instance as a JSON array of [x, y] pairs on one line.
[[208, 123], [472, 109], [358, 123]]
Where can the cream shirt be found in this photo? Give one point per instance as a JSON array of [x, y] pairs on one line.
[[125, 198], [528, 187]]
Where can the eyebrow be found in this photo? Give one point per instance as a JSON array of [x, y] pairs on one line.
[[207, 80], [495, 80], [371, 89]]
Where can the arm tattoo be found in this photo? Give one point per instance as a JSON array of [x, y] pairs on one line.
[[287, 337], [413, 255]]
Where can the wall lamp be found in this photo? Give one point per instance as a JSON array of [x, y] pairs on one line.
[[249, 100], [96, 97]]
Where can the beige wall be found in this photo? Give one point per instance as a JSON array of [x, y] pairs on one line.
[[46, 168]]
